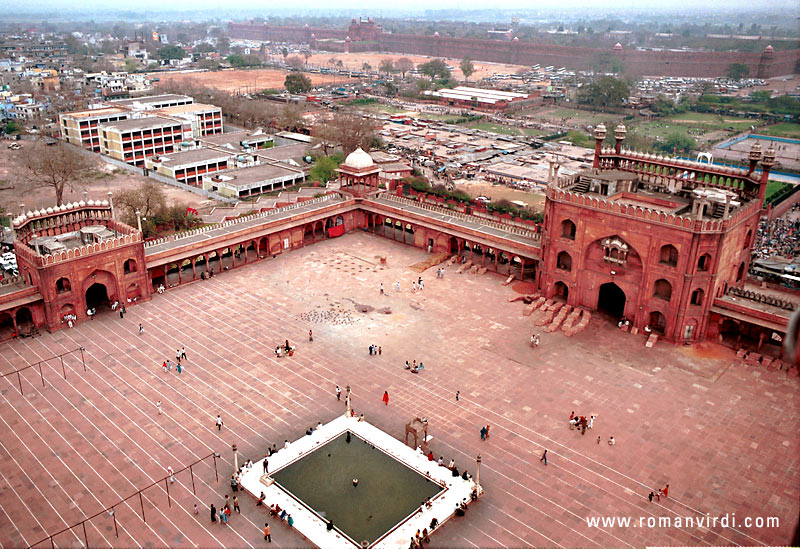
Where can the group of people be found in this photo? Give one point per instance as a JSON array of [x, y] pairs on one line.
[[580, 422], [778, 237], [659, 493], [224, 511], [420, 538], [375, 350], [180, 355], [440, 272], [287, 349], [414, 368]]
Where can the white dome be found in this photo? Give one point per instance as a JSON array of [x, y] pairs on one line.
[[358, 159]]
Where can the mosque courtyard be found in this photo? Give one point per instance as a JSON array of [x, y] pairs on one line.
[[723, 434]]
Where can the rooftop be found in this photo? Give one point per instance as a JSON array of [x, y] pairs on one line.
[[177, 159], [263, 173], [190, 108], [150, 99], [235, 138], [91, 113], [150, 122]]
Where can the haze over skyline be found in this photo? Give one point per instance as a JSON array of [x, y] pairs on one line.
[[363, 6]]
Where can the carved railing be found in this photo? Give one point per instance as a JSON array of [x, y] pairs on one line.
[[240, 220], [505, 227], [758, 297]]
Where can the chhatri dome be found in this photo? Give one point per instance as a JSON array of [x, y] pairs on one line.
[[359, 160]]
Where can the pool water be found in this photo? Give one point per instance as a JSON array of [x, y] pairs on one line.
[[387, 490]]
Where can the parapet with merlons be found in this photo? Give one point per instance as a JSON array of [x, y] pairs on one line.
[[651, 215], [69, 218]]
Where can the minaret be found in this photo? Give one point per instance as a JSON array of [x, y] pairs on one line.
[[599, 136], [754, 157], [619, 137], [767, 161]]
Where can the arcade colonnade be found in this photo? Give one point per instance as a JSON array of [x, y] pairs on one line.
[[199, 263]]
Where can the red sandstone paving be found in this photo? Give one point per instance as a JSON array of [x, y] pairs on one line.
[[695, 417]]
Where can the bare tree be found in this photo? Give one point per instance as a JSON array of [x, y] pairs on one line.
[[57, 166], [294, 62], [352, 131], [306, 55], [404, 65], [290, 117], [386, 65], [149, 199]]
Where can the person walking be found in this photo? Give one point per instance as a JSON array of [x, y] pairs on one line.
[[650, 496], [141, 329], [380, 350], [196, 510], [397, 286], [483, 433], [177, 355], [219, 423], [665, 491], [421, 285], [338, 393], [386, 397], [236, 504], [544, 457], [178, 367], [183, 353], [487, 431], [165, 366], [457, 393], [171, 474], [267, 536], [121, 313], [169, 365], [213, 513], [158, 406], [266, 465], [310, 335], [382, 288]]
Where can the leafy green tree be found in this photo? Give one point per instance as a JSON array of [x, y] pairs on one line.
[[170, 52], [784, 104], [130, 65], [435, 68], [467, 68], [324, 168], [737, 71], [606, 91], [297, 83], [237, 60], [203, 47], [759, 96]]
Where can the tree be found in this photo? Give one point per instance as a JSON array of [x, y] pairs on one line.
[[170, 52], [366, 67], [435, 68], [295, 62], [297, 83], [737, 71], [284, 53], [148, 199], [324, 168], [130, 65], [58, 166], [237, 60], [677, 142], [606, 91], [290, 118], [306, 55], [352, 131], [386, 66], [467, 68], [203, 47], [223, 45], [404, 65]]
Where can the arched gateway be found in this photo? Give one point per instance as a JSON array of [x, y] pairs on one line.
[[611, 300]]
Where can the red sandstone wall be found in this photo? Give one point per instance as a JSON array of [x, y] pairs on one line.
[[664, 63]]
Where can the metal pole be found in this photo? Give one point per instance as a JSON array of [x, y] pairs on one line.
[[478, 474], [85, 537], [191, 473], [215, 454], [83, 359], [114, 514], [19, 380], [52, 543], [235, 459], [41, 374], [141, 502], [61, 358], [169, 499]]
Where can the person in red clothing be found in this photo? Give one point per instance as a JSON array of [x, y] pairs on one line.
[[386, 397], [665, 491]]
